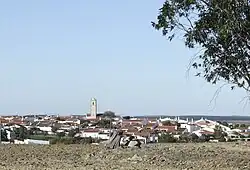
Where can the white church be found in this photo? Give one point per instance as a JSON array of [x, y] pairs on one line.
[[93, 109]]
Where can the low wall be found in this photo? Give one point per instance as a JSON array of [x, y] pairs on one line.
[[32, 141], [18, 142]]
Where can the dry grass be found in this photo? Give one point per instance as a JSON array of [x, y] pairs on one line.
[[161, 156]]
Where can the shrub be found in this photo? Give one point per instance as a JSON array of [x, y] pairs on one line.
[[42, 137], [70, 140], [167, 138]]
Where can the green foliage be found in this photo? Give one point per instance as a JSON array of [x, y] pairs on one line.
[[225, 124], [54, 129], [243, 125], [36, 131], [70, 140], [73, 132], [167, 123], [60, 119], [126, 117], [219, 134], [60, 134], [42, 137], [109, 114], [189, 138], [4, 135], [167, 138], [21, 133], [104, 123], [204, 138], [82, 121], [221, 29], [183, 138], [84, 125], [235, 126], [54, 139]]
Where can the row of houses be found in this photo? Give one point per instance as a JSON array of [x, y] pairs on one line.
[[145, 129], [149, 129]]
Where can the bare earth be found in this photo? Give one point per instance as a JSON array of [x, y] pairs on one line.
[[156, 156]]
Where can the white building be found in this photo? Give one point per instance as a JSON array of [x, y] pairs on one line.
[[94, 133], [93, 109], [191, 127]]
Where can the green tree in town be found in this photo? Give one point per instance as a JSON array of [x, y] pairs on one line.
[[167, 123], [243, 125], [167, 138], [109, 114], [225, 124], [235, 126], [73, 132], [54, 129], [4, 135], [126, 117], [34, 131], [219, 134], [189, 137], [21, 133], [60, 134], [104, 123], [221, 32]]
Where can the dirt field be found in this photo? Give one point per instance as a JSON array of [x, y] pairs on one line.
[[160, 156]]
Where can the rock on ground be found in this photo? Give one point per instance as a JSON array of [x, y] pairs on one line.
[[206, 156]]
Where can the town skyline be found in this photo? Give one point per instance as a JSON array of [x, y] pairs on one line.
[[97, 110]]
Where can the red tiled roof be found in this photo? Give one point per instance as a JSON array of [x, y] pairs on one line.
[[167, 128], [125, 126], [91, 130], [16, 119], [151, 119], [132, 129], [18, 122], [4, 121], [203, 123], [150, 124], [246, 133], [132, 121], [147, 131]]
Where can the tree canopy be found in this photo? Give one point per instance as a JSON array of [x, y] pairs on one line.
[[109, 114], [220, 29], [104, 123]]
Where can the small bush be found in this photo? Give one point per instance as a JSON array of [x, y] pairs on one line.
[[42, 137], [167, 138], [70, 140]]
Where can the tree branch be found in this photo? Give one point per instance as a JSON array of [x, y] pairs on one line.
[[215, 96]]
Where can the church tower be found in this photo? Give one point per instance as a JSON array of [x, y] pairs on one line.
[[93, 108]]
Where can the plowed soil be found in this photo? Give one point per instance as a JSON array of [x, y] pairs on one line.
[[209, 156]]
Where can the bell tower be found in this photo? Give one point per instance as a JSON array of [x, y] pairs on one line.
[[93, 108]]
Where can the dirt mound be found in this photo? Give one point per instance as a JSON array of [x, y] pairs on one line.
[[156, 156]]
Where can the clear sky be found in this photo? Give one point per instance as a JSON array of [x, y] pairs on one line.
[[57, 54]]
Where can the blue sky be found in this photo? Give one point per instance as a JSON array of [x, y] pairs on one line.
[[56, 55]]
